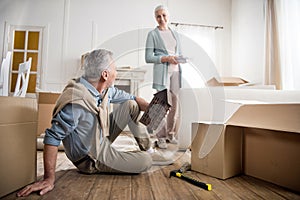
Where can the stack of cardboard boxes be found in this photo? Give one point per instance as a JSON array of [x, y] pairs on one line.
[[18, 123], [21, 121]]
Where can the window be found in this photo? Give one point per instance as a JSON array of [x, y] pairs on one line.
[[204, 39]]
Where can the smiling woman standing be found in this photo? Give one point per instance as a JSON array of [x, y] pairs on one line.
[[163, 49]]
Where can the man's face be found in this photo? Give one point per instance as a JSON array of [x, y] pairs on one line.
[[112, 74]]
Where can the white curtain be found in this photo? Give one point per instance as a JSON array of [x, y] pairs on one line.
[[288, 13], [283, 44]]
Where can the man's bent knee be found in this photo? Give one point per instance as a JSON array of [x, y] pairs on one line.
[[132, 104], [133, 107]]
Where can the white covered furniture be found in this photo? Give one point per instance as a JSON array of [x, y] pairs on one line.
[[4, 75], [23, 78], [130, 79]]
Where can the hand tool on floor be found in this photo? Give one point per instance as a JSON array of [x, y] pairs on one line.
[[179, 174]]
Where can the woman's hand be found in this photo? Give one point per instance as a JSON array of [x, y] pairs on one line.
[[170, 59]]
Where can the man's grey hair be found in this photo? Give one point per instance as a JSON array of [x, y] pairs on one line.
[[95, 63], [160, 7]]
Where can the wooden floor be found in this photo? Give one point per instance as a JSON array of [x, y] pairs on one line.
[[154, 184]]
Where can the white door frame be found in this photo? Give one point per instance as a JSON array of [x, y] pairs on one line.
[[43, 50]]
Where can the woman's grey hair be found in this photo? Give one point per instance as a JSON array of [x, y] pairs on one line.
[[160, 7], [95, 63]]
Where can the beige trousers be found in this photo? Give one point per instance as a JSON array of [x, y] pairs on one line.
[[112, 161], [169, 124]]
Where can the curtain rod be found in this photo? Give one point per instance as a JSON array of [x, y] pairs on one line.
[[215, 27]]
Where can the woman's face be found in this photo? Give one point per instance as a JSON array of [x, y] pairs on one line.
[[162, 17]]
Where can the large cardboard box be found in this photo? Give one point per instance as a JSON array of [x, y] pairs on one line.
[[46, 103], [18, 122], [260, 139], [208, 104]]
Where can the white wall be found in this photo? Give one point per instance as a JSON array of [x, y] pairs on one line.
[[248, 39], [48, 14], [73, 27]]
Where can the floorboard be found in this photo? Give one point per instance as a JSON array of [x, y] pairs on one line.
[[156, 184]]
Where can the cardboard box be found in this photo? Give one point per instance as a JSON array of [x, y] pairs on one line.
[[208, 147], [259, 139], [208, 104], [273, 156], [18, 123], [46, 103], [226, 81]]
